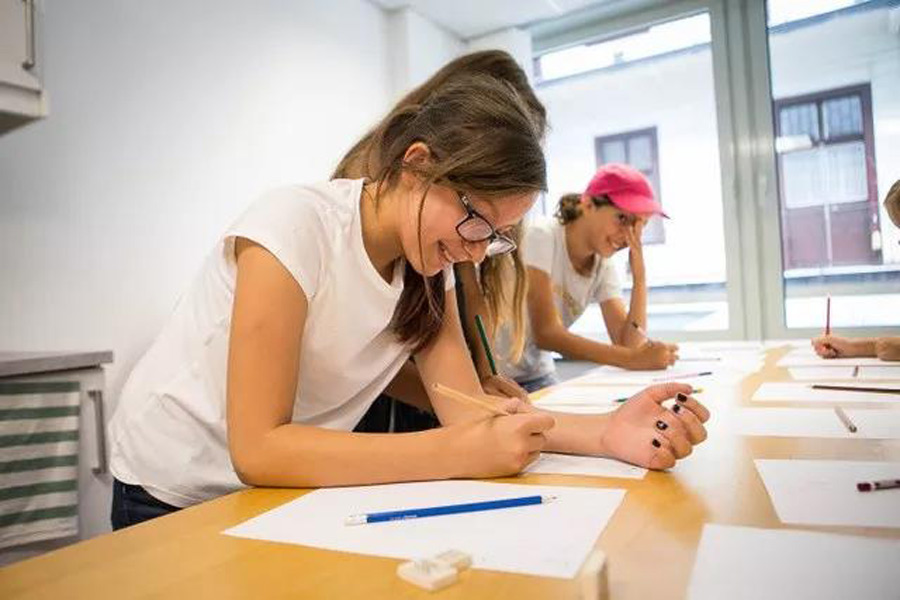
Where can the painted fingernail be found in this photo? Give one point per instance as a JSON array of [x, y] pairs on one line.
[[676, 408], [681, 397], [656, 443], [661, 425]]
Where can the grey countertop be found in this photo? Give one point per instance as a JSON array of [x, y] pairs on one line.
[[25, 363]]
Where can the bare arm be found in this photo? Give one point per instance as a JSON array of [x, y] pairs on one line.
[[551, 334], [628, 329], [270, 311], [888, 348], [267, 449]]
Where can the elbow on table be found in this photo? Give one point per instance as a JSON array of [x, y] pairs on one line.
[[248, 464]]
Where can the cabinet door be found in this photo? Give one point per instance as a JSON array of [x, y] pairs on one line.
[[17, 45], [94, 479]]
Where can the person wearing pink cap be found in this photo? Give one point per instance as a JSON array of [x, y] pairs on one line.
[[569, 266]]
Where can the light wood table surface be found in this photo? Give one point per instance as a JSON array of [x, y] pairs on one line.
[[650, 543]]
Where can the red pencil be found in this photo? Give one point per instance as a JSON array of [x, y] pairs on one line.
[[828, 315]]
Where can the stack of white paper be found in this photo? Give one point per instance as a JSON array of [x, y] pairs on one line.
[[550, 539], [823, 492], [743, 563]]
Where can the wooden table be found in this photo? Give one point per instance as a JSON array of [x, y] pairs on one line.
[[650, 543]]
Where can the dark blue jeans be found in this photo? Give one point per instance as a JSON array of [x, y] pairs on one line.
[[131, 504]]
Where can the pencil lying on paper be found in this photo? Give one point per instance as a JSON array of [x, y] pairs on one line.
[[856, 388], [845, 419], [449, 509], [874, 486], [456, 395]]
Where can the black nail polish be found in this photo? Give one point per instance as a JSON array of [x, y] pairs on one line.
[[676, 408], [661, 425], [656, 443], [681, 397]]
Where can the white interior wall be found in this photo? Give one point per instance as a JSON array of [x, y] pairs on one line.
[[165, 123]]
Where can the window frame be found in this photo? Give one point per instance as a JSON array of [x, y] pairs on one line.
[[655, 231]]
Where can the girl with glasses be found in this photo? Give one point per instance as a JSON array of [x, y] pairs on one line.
[[314, 299]]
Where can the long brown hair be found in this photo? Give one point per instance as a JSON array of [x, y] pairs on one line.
[[482, 141], [502, 279]]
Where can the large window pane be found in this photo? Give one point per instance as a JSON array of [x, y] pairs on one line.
[[835, 72], [648, 99]]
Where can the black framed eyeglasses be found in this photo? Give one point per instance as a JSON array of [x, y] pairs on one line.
[[476, 229]]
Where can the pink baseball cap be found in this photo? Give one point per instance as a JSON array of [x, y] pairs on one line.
[[626, 187]]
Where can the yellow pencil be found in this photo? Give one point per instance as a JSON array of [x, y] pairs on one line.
[[457, 395]]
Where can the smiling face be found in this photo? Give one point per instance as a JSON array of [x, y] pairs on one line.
[[607, 227], [441, 213]]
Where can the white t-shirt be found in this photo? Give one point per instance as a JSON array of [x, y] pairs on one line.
[[544, 248], [169, 431]]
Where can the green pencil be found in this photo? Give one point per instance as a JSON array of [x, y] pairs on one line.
[[484, 342]]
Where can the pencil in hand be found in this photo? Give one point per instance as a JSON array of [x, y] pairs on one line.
[[471, 400]]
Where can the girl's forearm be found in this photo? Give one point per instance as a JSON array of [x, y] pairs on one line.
[[576, 347], [294, 455], [576, 434], [637, 314]]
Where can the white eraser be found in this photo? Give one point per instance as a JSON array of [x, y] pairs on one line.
[[457, 559], [428, 574], [593, 579]]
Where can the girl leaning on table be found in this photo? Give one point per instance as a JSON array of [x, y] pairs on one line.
[[569, 267], [495, 289], [316, 296]]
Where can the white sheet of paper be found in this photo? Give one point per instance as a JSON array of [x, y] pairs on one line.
[[818, 422], [567, 464], [803, 392], [806, 357], [550, 540], [879, 372], [584, 394], [821, 373], [580, 409], [743, 563], [823, 492], [686, 372]]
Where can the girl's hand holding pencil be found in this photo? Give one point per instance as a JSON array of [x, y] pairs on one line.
[[505, 438]]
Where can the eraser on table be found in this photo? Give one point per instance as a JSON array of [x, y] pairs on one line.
[[428, 574], [455, 558]]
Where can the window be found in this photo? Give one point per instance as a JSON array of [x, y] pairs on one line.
[[610, 109], [827, 177], [638, 149], [835, 77]]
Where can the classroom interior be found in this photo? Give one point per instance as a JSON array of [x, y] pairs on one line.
[[133, 133]]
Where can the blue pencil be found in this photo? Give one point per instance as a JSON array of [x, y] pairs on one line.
[[449, 509]]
